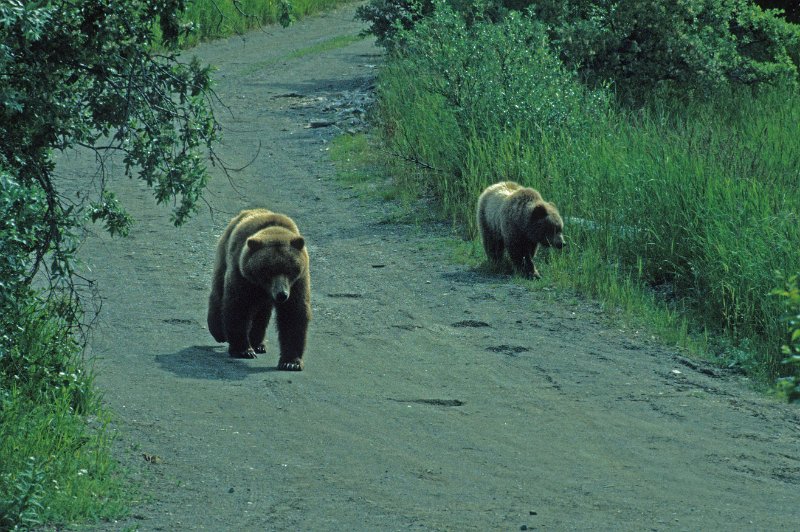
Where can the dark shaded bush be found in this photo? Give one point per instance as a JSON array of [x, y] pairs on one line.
[[691, 47], [387, 17], [791, 8], [695, 46]]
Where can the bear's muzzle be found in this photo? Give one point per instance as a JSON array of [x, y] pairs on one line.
[[280, 289]]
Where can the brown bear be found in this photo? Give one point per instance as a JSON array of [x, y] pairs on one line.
[[261, 264], [516, 218]]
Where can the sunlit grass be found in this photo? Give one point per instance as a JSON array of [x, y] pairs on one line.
[[212, 19]]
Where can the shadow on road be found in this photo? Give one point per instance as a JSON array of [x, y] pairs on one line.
[[210, 362]]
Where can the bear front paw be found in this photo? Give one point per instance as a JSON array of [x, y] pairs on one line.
[[295, 364], [247, 353], [261, 349]]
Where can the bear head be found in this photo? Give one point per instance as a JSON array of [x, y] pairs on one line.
[[545, 225], [274, 259]]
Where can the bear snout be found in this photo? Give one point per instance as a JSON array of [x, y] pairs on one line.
[[280, 289], [558, 242]]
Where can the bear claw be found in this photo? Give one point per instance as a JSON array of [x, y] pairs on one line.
[[247, 353], [261, 349], [290, 365]]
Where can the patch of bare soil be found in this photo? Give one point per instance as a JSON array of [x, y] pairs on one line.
[[434, 397]]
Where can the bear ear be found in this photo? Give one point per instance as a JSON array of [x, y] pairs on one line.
[[298, 243], [539, 212], [253, 244]]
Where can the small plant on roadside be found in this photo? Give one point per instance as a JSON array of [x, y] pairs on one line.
[[21, 505], [789, 386]]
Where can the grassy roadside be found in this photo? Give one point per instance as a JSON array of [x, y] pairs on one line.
[[364, 163], [681, 207], [680, 214], [55, 463], [632, 170]]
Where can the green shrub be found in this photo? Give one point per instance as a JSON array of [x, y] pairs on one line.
[[691, 47], [388, 17], [54, 451], [501, 75], [790, 386]]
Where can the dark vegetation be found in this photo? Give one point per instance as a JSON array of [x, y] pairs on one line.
[[791, 8], [77, 74], [665, 132]]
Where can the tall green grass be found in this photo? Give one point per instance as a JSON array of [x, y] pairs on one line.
[[697, 202]]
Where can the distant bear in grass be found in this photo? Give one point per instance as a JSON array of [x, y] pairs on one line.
[[516, 218], [261, 264]]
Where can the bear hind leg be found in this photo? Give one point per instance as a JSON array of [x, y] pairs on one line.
[[215, 321], [494, 250], [493, 245], [522, 260], [492, 241]]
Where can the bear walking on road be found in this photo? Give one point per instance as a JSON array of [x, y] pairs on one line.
[[516, 218], [261, 264]]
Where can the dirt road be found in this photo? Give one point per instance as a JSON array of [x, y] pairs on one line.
[[434, 397]]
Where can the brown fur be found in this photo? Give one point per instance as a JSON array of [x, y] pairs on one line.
[[261, 264], [517, 219]]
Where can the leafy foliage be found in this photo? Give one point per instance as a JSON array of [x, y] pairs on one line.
[[22, 507], [790, 386], [78, 74], [790, 8], [697, 46], [81, 73], [689, 46], [388, 17], [501, 74]]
